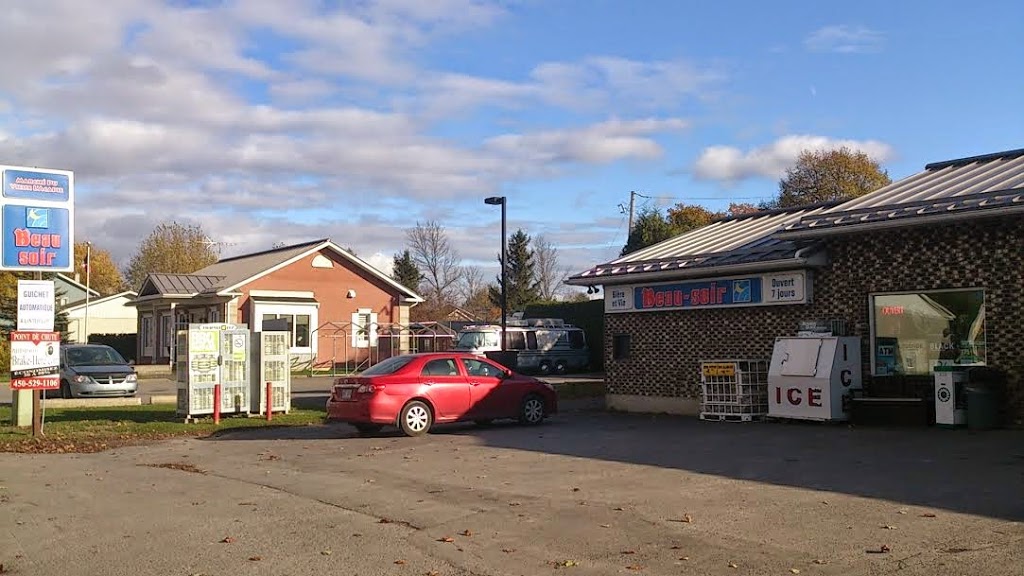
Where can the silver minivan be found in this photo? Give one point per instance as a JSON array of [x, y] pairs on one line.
[[92, 370]]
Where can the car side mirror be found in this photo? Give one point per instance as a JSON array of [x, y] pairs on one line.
[[131, 362], [506, 374]]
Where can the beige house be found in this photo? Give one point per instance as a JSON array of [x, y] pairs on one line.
[[112, 314]]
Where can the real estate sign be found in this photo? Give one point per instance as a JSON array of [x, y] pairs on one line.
[[35, 360]]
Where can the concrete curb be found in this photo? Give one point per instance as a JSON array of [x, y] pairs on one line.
[[92, 402], [162, 399]]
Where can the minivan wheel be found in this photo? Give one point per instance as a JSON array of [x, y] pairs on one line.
[[65, 390], [415, 419], [545, 367], [560, 367], [531, 412]]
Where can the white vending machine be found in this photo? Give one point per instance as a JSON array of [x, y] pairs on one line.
[[271, 365], [809, 378], [950, 395], [208, 355]]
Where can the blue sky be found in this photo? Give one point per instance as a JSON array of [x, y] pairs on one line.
[[271, 121]]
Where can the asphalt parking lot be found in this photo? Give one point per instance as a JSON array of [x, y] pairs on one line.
[[588, 493]]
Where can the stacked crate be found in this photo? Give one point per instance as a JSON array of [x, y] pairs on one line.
[[734, 390]]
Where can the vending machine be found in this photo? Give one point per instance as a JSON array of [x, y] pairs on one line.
[[810, 378], [271, 365], [950, 395], [208, 355]]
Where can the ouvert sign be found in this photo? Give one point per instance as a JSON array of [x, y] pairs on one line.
[[791, 287]]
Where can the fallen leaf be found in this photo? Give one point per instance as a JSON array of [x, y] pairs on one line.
[[508, 550], [618, 508], [228, 540], [733, 565], [885, 548], [565, 563], [513, 504], [825, 502], [384, 521], [432, 573], [888, 527], [820, 562], [628, 552], [246, 503], [927, 515], [684, 557], [606, 525], [794, 570], [325, 552], [901, 511], [446, 539], [575, 489], [676, 548], [400, 562], [635, 568], [465, 533], [255, 558]]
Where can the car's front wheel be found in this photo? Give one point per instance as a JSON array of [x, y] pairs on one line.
[[416, 418], [531, 411], [65, 390]]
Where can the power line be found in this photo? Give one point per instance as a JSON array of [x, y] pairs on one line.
[[700, 197]]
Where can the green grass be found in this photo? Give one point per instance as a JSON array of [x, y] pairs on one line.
[[96, 429]]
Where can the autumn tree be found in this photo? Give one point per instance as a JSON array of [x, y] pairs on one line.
[[171, 248], [405, 272], [103, 275], [742, 209], [550, 275], [522, 288], [437, 260], [824, 175], [685, 217], [649, 228]]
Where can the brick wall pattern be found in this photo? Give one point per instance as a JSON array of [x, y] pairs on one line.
[[666, 348]]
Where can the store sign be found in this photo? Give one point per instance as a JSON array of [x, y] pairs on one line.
[[38, 220], [762, 290], [35, 360], [712, 369], [35, 305]]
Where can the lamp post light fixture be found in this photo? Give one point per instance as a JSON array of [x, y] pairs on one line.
[[495, 201]]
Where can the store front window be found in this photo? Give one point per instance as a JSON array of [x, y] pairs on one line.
[[914, 332]]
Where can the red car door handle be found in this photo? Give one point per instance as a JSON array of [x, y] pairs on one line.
[[428, 383], [474, 383]]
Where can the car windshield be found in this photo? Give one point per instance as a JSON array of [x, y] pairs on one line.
[[94, 356], [389, 366], [474, 340]]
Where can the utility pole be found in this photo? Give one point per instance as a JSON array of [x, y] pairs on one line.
[[632, 200]]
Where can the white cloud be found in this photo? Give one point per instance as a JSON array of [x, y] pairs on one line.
[[729, 164], [597, 144], [844, 39]]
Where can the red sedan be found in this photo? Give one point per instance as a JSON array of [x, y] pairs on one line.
[[415, 391]]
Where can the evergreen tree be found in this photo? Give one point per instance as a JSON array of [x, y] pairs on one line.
[[405, 271], [523, 288]]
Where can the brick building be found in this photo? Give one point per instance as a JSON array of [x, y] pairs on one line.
[[930, 266], [320, 291]]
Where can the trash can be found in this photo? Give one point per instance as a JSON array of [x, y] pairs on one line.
[[982, 408], [507, 358], [984, 393]]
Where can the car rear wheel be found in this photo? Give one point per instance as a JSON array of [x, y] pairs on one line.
[[545, 367], [560, 367], [368, 428], [416, 418], [65, 390], [531, 412]]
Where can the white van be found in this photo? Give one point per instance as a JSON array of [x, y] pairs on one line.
[[544, 345]]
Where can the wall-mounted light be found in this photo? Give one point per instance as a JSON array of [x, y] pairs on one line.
[[350, 294], [593, 289]]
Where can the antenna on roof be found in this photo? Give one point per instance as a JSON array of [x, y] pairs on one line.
[[211, 242]]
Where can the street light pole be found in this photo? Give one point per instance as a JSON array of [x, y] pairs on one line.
[[504, 266]]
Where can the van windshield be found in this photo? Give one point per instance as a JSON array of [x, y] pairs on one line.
[[474, 340]]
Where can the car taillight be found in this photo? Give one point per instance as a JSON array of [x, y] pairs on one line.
[[370, 388]]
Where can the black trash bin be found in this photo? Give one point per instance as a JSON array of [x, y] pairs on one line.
[[984, 394], [507, 358]]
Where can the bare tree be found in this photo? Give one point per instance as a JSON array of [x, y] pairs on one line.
[[472, 282], [437, 260], [550, 275]]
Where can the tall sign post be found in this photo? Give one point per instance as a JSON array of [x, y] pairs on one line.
[[37, 234]]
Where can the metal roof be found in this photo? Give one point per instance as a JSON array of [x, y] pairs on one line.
[[975, 186], [177, 284], [238, 269], [737, 241]]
